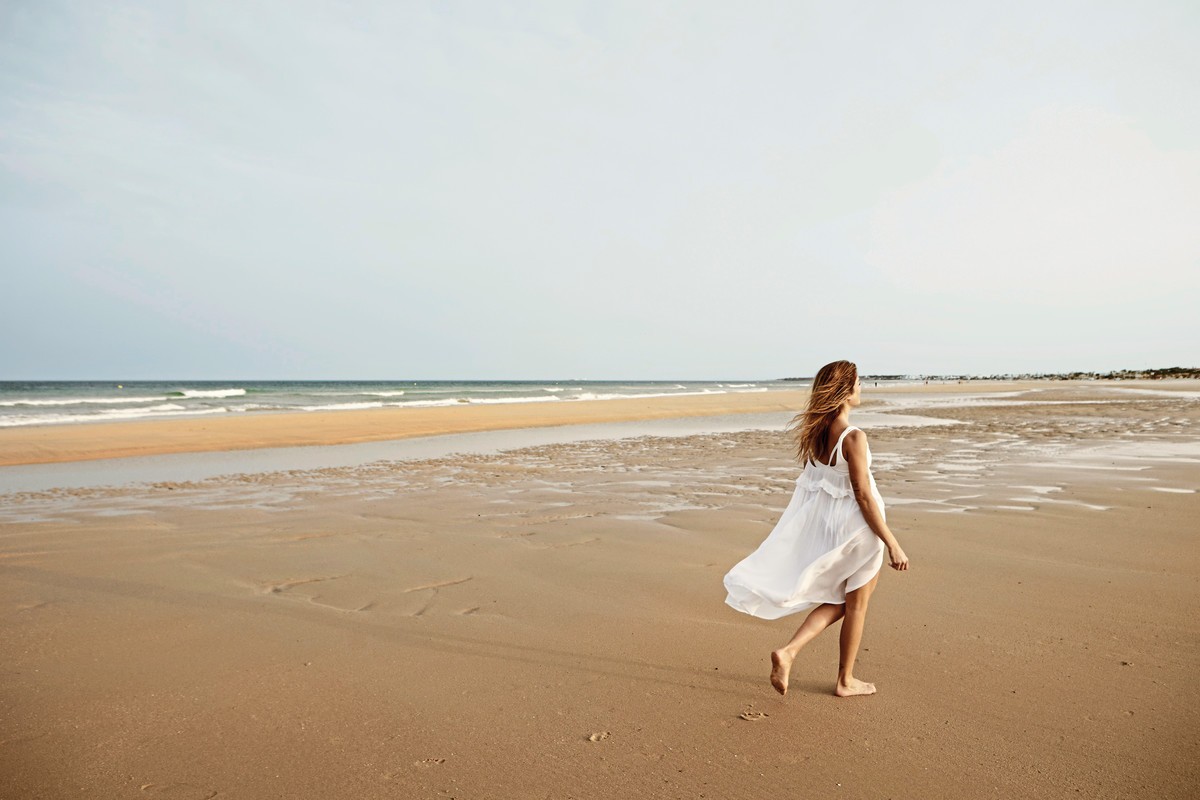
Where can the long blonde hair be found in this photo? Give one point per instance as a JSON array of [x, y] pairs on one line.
[[832, 386]]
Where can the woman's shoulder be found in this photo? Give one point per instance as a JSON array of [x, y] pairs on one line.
[[855, 437], [852, 431]]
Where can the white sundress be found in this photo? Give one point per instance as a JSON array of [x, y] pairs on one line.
[[820, 549]]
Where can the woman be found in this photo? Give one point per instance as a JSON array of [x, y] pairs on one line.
[[827, 549]]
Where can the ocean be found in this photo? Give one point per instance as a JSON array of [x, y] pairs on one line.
[[24, 403]]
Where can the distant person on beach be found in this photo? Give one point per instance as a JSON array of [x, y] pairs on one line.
[[827, 548]]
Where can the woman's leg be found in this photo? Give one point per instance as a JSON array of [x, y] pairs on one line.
[[818, 620], [852, 629]]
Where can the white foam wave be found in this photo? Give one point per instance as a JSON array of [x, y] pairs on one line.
[[75, 401], [430, 403], [108, 415], [343, 406], [470, 401], [195, 393], [618, 396], [389, 393], [493, 400]]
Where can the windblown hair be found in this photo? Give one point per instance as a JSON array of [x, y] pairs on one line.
[[831, 387]]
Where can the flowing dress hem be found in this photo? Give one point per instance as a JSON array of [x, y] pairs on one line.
[[747, 600]]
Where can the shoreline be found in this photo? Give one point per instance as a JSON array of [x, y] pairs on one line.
[[90, 441], [50, 444]]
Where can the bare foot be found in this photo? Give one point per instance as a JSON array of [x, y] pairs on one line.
[[853, 688], [781, 666]]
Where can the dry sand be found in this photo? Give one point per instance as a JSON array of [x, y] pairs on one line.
[[548, 622]]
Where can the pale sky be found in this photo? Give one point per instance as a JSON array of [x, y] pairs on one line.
[[634, 190]]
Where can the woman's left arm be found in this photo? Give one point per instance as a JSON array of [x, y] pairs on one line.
[[854, 448]]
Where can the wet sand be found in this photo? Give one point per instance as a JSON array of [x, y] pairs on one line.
[[548, 621]]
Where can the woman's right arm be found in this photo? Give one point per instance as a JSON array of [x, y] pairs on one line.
[[854, 448]]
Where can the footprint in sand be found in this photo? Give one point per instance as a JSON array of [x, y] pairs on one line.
[[598, 737], [433, 589], [339, 601], [279, 587], [753, 716]]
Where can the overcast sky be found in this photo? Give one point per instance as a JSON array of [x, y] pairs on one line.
[[490, 189]]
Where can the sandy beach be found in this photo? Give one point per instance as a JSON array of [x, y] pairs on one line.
[[548, 621]]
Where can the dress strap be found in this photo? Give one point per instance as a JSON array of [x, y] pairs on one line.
[[837, 448]]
